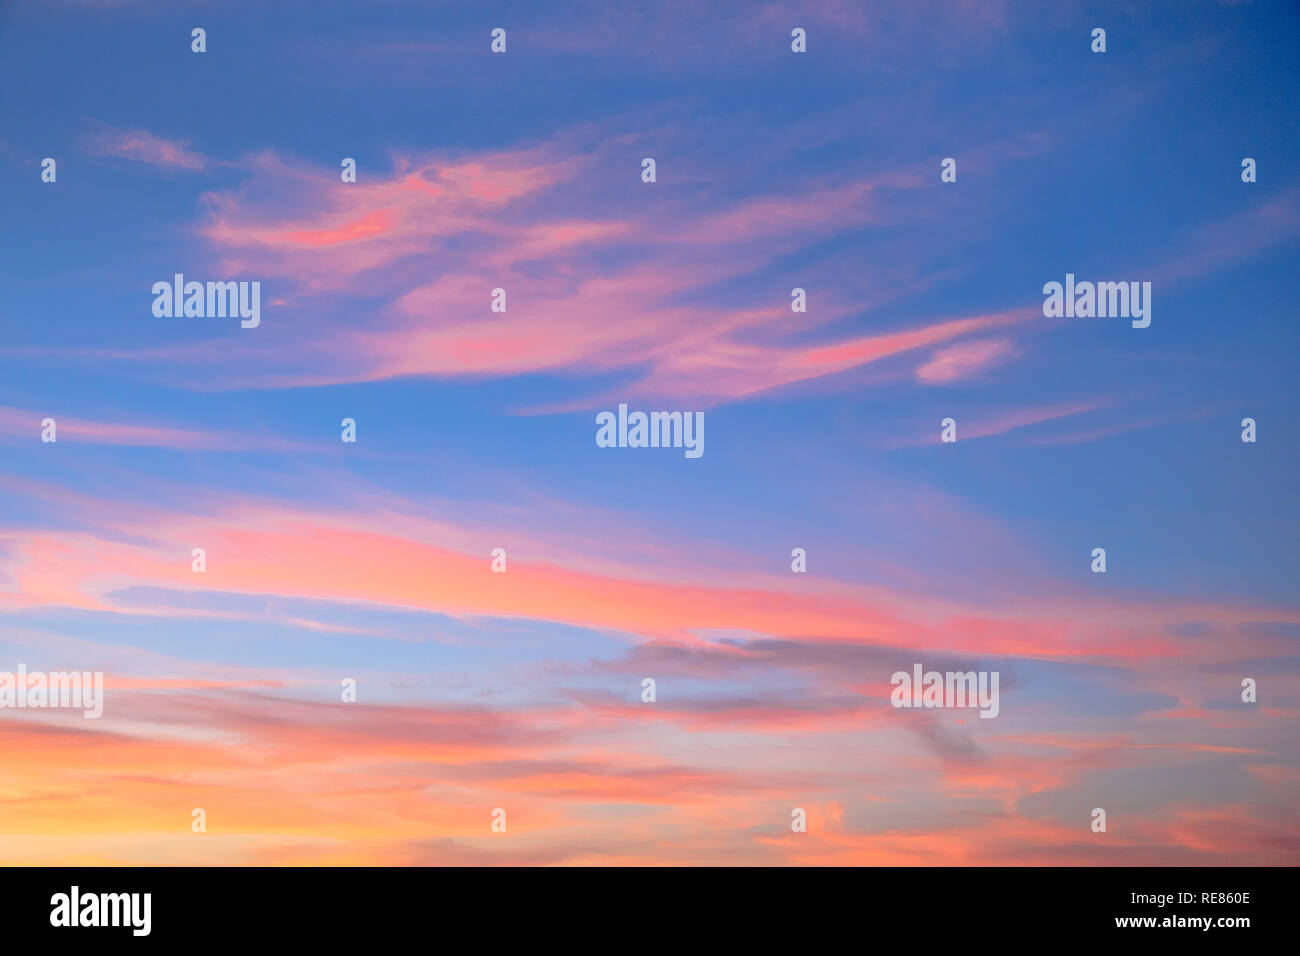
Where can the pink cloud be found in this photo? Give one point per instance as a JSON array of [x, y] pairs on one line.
[[1000, 423], [489, 221], [405, 563], [303, 224], [141, 146], [25, 424], [965, 360], [1231, 241], [1023, 418], [373, 224], [22, 423]]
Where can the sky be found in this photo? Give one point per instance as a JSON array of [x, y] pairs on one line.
[[371, 561]]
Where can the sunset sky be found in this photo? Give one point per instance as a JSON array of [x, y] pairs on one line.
[[476, 430]]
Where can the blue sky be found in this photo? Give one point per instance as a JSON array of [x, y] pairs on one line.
[[775, 170]]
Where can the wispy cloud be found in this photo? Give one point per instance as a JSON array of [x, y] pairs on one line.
[[959, 362], [142, 146], [25, 424]]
